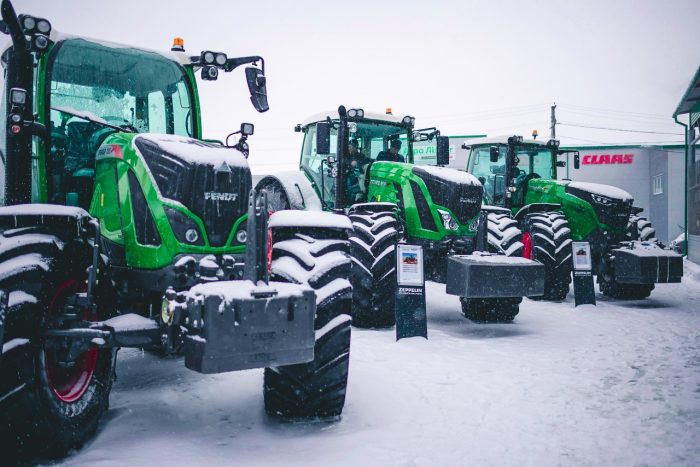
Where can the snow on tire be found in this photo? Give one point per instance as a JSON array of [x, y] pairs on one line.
[[373, 252], [639, 228], [49, 402], [318, 258], [547, 239], [504, 234]]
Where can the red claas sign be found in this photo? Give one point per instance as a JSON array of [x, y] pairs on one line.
[[600, 159]]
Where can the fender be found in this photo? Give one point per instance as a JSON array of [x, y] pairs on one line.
[[299, 190], [487, 208], [535, 207], [374, 207]]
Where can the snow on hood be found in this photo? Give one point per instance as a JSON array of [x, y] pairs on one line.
[[451, 175], [195, 151], [603, 190]]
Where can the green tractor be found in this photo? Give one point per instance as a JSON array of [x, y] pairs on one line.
[[535, 215], [121, 227], [361, 164]]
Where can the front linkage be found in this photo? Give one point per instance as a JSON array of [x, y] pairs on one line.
[[225, 326]]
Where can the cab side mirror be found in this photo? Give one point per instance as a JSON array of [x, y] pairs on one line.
[[443, 150], [323, 138], [493, 154], [257, 85], [577, 160]]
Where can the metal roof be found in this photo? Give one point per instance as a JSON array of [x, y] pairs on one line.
[[691, 99]]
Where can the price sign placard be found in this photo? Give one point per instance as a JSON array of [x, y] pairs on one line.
[[410, 311], [584, 291]]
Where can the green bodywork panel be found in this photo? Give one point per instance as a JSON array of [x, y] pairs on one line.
[[111, 204], [387, 177], [581, 216]]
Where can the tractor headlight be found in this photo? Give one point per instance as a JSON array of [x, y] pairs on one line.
[[241, 236], [208, 58], [601, 199], [447, 221], [210, 73], [28, 23], [43, 26], [356, 113], [220, 59]]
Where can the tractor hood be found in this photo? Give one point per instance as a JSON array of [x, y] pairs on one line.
[[599, 189], [211, 181], [611, 205], [458, 191]]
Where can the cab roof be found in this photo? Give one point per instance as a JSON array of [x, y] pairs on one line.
[[333, 114], [503, 139]]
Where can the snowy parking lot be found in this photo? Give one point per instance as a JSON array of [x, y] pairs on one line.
[[616, 384]]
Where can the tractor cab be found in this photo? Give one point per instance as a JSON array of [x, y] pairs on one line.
[[367, 138], [506, 165], [70, 94]]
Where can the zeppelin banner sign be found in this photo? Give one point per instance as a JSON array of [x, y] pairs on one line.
[[607, 159]]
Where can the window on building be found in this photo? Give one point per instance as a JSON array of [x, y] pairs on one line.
[[657, 186]]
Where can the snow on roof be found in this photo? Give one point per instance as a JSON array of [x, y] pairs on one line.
[[179, 57], [503, 139], [195, 151], [451, 175], [603, 190], [294, 218], [321, 116]]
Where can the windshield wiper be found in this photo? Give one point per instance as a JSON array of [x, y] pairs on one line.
[[91, 117]]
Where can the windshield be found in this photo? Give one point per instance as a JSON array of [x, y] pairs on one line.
[[123, 86], [534, 160], [369, 141]]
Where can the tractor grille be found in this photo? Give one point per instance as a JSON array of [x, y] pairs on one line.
[[463, 199], [218, 197]]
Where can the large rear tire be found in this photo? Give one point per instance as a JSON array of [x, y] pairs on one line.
[[547, 239], [317, 258], [49, 402], [373, 252], [504, 235]]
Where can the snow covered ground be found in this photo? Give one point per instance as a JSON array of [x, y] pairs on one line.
[[618, 384]]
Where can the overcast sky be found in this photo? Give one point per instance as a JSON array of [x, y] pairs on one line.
[[468, 67]]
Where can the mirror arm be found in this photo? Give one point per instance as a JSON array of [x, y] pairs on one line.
[[233, 63]]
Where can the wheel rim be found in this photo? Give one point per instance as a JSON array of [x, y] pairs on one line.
[[527, 245], [69, 383]]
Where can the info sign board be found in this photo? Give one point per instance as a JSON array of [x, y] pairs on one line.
[[584, 293], [411, 318]]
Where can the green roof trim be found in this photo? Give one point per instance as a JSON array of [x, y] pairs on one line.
[[467, 136], [627, 146], [690, 102]]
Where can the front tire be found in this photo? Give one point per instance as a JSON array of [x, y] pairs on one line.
[[373, 253], [490, 310], [317, 258], [49, 402], [547, 239]]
